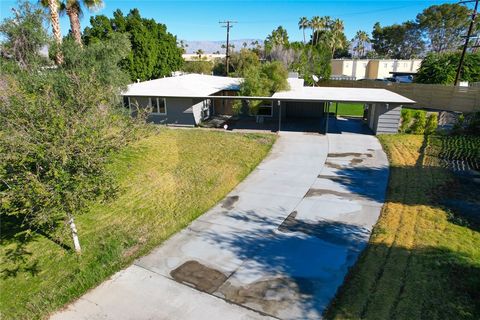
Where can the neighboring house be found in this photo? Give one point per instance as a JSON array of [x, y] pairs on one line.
[[187, 100], [372, 69]]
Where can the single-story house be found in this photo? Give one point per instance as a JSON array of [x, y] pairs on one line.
[[187, 100]]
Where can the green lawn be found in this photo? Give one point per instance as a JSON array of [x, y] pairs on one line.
[[423, 259], [166, 180], [348, 109]]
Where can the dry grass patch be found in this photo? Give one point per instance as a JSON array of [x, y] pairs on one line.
[[420, 263]]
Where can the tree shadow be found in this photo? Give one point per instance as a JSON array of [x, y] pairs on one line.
[[425, 283], [299, 264], [16, 236]]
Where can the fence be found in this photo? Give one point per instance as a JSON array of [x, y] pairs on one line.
[[427, 96]]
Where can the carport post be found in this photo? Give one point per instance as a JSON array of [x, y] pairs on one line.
[[329, 104], [279, 104]]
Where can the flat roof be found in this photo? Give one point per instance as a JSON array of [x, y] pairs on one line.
[[188, 85], [205, 86], [342, 94]]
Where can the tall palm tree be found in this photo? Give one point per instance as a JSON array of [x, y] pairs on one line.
[[336, 40], [302, 25], [74, 11], [53, 8], [316, 25]]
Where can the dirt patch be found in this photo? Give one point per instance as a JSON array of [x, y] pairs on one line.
[[333, 165], [356, 161], [229, 202], [199, 276], [320, 192], [269, 296], [344, 154]]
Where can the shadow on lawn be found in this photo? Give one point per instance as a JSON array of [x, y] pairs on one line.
[[418, 185], [16, 237], [398, 283]]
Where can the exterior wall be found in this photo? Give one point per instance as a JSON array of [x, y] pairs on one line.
[[360, 69], [223, 107], [372, 69], [383, 118], [179, 110], [337, 67], [302, 109], [385, 67]]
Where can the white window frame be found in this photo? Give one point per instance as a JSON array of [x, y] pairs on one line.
[[151, 105]]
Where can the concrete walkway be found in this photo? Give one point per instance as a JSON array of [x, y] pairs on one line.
[[279, 245]]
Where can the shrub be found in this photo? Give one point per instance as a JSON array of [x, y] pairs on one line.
[[59, 126], [406, 117], [419, 122], [432, 123]]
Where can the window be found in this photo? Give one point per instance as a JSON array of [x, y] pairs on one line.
[[265, 109], [158, 105]]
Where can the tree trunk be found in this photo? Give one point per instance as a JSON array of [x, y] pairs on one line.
[[73, 229], [53, 6], [303, 36], [73, 13]]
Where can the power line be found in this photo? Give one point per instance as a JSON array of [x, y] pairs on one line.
[[227, 24], [467, 39]]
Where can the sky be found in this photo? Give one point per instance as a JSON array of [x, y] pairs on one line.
[[198, 20]]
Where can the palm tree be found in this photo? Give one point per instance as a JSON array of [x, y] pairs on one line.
[[303, 24], [316, 25], [336, 41], [199, 52], [53, 8], [361, 37], [74, 11]]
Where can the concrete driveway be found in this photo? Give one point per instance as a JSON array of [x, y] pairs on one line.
[[279, 245]]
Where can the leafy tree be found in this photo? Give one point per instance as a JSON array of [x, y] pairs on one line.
[[24, 35], [198, 66], [398, 41], [154, 50], [313, 60], [262, 80], [243, 60], [58, 127], [444, 25], [74, 12], [441, 68]]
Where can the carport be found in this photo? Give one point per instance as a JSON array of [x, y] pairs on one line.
[[306, 108]]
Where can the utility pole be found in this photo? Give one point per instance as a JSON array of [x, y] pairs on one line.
[[467, 39], [227, 24]]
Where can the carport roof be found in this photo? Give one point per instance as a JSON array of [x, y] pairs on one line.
[[337, 94]]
